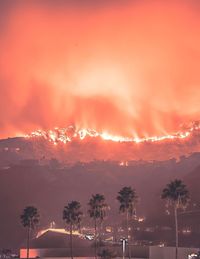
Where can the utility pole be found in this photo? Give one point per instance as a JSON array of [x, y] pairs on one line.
[[124, 242]]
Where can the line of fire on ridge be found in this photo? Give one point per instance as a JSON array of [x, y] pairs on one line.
[[64, 135]]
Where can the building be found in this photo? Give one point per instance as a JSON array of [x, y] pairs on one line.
[[56, 243]]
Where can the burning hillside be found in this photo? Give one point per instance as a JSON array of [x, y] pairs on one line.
[[71, 145], [64, 135]]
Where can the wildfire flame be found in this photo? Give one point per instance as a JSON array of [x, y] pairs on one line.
[[65, 135]]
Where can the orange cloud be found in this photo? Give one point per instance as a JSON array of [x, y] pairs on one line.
[[129, 68]]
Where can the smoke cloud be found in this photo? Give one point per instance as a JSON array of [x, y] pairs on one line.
[[125, 67]]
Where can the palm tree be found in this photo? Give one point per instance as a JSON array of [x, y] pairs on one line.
[[177, 196], [72, 215], [127, 198], [29, 219], [97, 211]]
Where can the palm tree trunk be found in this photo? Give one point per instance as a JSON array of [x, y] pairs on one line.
[[71, 242], [100, 232], [176, 230], [95, 237], [28, 242], [127, 232]]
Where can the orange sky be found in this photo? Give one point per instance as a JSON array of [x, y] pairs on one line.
[[128, 67]]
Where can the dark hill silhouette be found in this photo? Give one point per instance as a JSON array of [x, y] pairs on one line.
[[51, 186]]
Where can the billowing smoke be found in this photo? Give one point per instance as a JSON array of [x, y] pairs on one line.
[[127, 67]]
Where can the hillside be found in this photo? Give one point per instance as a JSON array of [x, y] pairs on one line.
[[49, 187], [86, 146]]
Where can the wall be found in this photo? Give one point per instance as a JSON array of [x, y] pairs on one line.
[[156, 252]]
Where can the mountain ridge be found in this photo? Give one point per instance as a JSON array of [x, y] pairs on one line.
[[90, 148]]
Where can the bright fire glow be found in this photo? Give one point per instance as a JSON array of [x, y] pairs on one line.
[[58, 230], [65, 135]]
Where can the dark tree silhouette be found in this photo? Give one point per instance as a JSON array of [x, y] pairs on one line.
[[29, 219], [177, 196], [97, 211], [5, 253], [127, 198], [106, 254], [72, 215]]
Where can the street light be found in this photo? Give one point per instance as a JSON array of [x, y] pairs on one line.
[[124, 242]]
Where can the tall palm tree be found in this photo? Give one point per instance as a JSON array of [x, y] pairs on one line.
[[127, 198], [29, 219], [177, 196], [97, 211], [72, 215]]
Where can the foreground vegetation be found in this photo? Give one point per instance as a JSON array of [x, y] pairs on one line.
[[175, 194]]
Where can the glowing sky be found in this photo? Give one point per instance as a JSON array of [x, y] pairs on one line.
[[128, 67]]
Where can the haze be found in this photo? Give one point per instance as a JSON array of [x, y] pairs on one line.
[[127, 67]]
